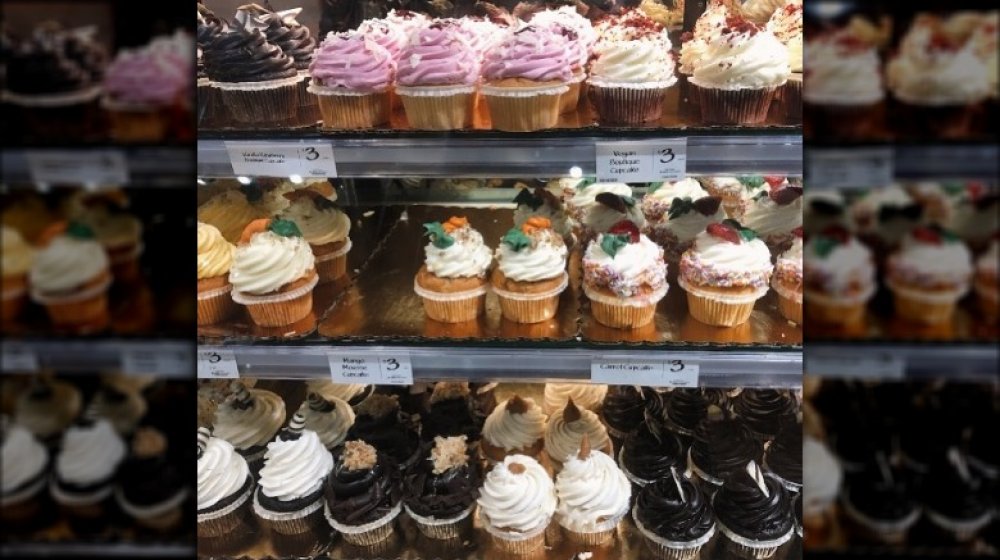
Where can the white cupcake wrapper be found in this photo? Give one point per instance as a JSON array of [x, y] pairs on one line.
[[336, 254], [702, 474], [358, 529], [512, 535], [451, 296], [114, 105], [793, 295], [681, 545], [877, 525], [436, 522], [52, 100], [597, 82], [631, 477], [269, 515], [78, 499], [222, 512], [72, 298], [929, 297], [250, 299], [597, 527], [317, 89], [152, 510], [634, 301], [23, 494], [257, 86], [961, 527], [534, 297], [435, 91], [726, 298], [754, 544], [526, 91], [827, 299], [209, 294]]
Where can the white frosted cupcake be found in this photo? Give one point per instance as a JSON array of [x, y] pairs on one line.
[[225, 494], [787, 280], [929, 274], [325, 227], [453, 280], [839, 277], [736, 192], [17, 255], [585, 395], [71, 277], [515, 427], [885, 215], [329, 417], [85, 468], [248, 419], [774, 214], [822, 209], [593, 495], [25, 463], [516, 504], [624, 276], [531, 272], [545, 203], [566, 430], [593, 217], [676, 212]]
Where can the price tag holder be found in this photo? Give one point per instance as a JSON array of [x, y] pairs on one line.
[[217, 364], [18, 359], [164, 362], [853, 168], [282, 159], [64, 167], [659, 373], [637, 162], [390, 368], [872, 366]]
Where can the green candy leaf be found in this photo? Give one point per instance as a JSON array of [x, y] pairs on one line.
[[527, 198], [439, 237], [680, 207], [953, 188], [516, 239], [76, 230], [629, 201], [586, 183], [612, 243], [751, 182], [824, 245], [285, 228], [653, 187], [748, 234]]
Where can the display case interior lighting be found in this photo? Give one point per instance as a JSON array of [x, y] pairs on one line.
[[575, 172], [243, 180], [830, 10], [43, 187], [295, 179], [201, 182]]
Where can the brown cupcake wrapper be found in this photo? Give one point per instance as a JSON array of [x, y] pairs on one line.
[[368, 534], [215, 306], [626, 105], [741, 106], [333, 266], [273, 101]]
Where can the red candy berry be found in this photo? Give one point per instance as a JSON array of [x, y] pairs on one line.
[[626, 227], [976, 189], [839, 233], [785, 195], [927, 235], [723, 232], [797, 232], [774, 180]]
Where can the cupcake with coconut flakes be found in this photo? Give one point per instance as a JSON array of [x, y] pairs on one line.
[[531, 272], [593, 217], [677, 212], [929, 274], [736, 192], [593, 496], [363, 495], [380, 422], [839, 275], [567, 428], [515, 427], [440, 493], [452, 282], [624, 276]]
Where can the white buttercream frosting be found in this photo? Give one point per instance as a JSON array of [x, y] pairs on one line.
[[251, 426], [67, 263], [842, 71], [752, 59], [295, 468], [585, 395], [585, 197], [89, 453], [644, 60], [221, 473], [562, 438], [544, 259], [821, 477], [590, 491], [16, 253], [718, 262], [707, 29], [656, 206], [845, 266], [634, 265], [468, 256], [924, 72], [769, 219], [929, 264], [331, 426], [517, 501], [513, 431], [319, 225], [270, 261], [22, 458], [786, 24]]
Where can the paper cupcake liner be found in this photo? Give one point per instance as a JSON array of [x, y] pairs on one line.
[[321, 90], [962, 530], [515, 542], [277, 310], [877, 530], [151, 510], [215, 306], [531, 308], [305, 521], [524, 109], [270, 101], [52, 99], [77, 297], [617, 312], [694, 468], [624, 104], [78, 499], [600, 533], [456, 307], [442, 529], [368, 534], [343, 109], [789, 301], [664, 549], [257, 86], [742, 106], [569, 101], [925, 307], [438, 107], [332, 266], [753, 549], [791, 99], [720, 310], [28, 492]]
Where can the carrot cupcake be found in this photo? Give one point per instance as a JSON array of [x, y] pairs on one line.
[[787, 280], [839, 277], [987, 283], [774, 214], [530, 272], [215, 257], [724, 273], [118, 231], [70, 276], [436, 79], [624, 276], [17, 258], [677, 212], [452, 282], [325, 227], [929, 274], [516, 426], [274, 273]]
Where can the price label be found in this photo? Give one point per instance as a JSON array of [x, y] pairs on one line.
[[63, 167], [217, 364], [282, 159], [872, 366], [157, 361], [379, 369], [855, 168], [669, 373], [19, 359], [636, 162]]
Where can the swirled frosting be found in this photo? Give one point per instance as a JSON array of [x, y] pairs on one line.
[[270, 261], [388, 34], [770, 219], [357, 496], [545, 258], [17, 255], [351, 62], [623, 408], [513, 430], [636, 269], [22, 457], [661, 509], [947, 263], [533, 53], [215, 254], [748, 511], [567, 16], [585, 395], [343, 391], [66, 263], [847, 267], [295, 466], [760, 10], [650, 452], [590, 490], [743, 57], [822, 476], [146, 76], [518, 495], [555, 215], [764, 409], [113, 228], [717, 262], [656, 208], [407, 21], [788, 265], [436, 56], [642, 60], [230, 212], [55, 60], [722, 447], [468, 256], [584, 197], [563, 434], [330, 422], [786, 24], [221, 473], [90, 453], [446, 484], [707, 29], [240, 55], [281, 29], [842, 71], [252, 424], [931, 69], [319, 220]]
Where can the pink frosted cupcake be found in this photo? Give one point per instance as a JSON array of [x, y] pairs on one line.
[[352, 75], [436, 79], [581, 36], [140, 87], [389, 35]]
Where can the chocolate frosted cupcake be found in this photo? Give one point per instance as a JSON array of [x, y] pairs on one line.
[[754, 512], [955, 499], [258, 82], [379, 423], [329, 417], [151, 489], [721, 447], [248, 419], [440, 493], [210, 108], [878, 506], [763, 410], [783, 456], [674, 517], [649, 454], [225, 488], [685, 409], [363, 494], [450, 413], [623, 410]]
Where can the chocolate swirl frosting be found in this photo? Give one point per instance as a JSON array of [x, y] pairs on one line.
[[722, 447], [356, 497], [747, 511], [686, 408], [784, 454], [292, 37], [623, 408], [387, 434], [443, 495], [650, 452], [877, 497], [246, 56], [53, 65], [661, 510], [953, 493], [764, 409]]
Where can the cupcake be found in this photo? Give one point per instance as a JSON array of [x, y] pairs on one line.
[[225, 496], [674, 518], [515, 427], [787, 280], [363, 494], [581, 36], [822, 209], [649, 454], [839, 276], [676, 212], [565, 430], [329, 417], [595, 207], [736, 192], [289, 498], [882, 217], [764, 410], [230, 211], [684, 410], [85, 470], [525, 76], [351, 393], [631, 72], [707, 29], [928, 275], [450, 413], [351, 76], [436, 78], [452, 282], [623, 410], [821, 479], [754, 513], [119, 232], [141, 86], [274, 273], [879, 507], [545, 203], [531, 272], [390, 34], [974, 213], [380, 423], [786, 24], [737, 75], [210, 108], [17, 258], [123, 406], [955, 503], [721, 447], [593, 495], [783, 456], [987, 283], [71, 276], [758, 11], [440, 493], [151, 489], [624, 276], [255, 79], [325, 228], [585, 395], [47, 408], [25, 463], [248, 419], [774, 214], [516, 503], [724, 273], [215, 258]]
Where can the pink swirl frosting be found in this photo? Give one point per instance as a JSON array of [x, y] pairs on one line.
[[386, 33], [437, 55], [533, 53], [352, 62], [146, 76]]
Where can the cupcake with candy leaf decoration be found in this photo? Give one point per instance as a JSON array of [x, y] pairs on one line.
[[325, 227], [452, 282], [677, 212], [774, 214], [71, 276], [839, 274], [531, 271], [929, 274], [787, 279], [624, 276], [545, 203]]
